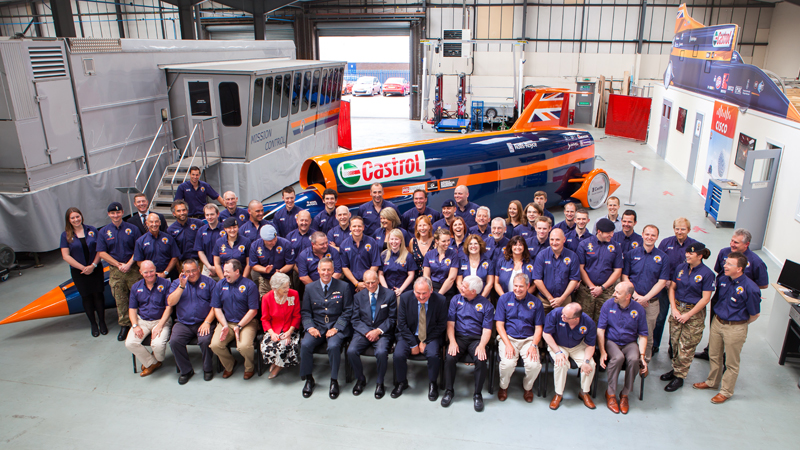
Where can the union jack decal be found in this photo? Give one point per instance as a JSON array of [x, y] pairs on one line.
[[549, 108]]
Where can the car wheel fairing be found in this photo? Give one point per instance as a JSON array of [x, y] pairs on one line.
[[598, 190]]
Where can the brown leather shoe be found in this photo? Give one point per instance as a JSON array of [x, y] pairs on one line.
[[701, 385], [554, 404], [248, 375], [502, 394], [587, 400], [623, 404], [148, 370], [611, 402], [719, 398], [227, 373], [528, 396]]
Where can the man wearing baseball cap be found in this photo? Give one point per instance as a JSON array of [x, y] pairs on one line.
[[448, 214], [270, 254]]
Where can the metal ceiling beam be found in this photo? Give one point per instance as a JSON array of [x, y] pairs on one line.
[[62, 18]]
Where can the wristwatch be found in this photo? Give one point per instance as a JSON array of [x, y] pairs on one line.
[[586, 361], [239, 327], [134, 325]]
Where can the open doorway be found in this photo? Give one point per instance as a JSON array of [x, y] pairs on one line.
[[379, 70]]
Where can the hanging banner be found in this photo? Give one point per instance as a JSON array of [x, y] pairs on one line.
[[723, 126]]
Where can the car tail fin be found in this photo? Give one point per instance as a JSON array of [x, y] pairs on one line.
[[548, 108]]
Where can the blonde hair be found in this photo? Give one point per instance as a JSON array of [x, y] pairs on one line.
[[390, 215], [402, 253]]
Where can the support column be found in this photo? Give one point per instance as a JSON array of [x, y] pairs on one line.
[[120, 24], [62, 18], [415, 69], [259, 20], [185, 17], [303, 35]]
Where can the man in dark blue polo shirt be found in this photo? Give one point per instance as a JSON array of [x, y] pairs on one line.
[[285, 219], [482, 219], [359, 253], [326, 219], [308, 260], [571, 333], [207, 236], [622, 336], [149, 314], [300, 239], [184, 230], [519, 318], [235, 303], [448, 215], [497, 240], [601, 267], [470, 319], [540, 198], [556, 273], [568, 224], [195, 193], [232, 209], [270, 254], [158, 247], [627, 238], [738, 306], [190, 295], [465, 208], [341, 231], [115, 245], [541, 240], [371, 210], [648, 269], [580, 232], [409, 218], [253, 225]]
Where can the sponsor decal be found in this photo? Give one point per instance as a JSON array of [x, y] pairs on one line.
[[634, 313], [202, 285], [399, 166], [657, 259], [260, 251], [479, 307], [128, 231], [449, 183], [368, 247], [160, 288], [193, 226], [739, 290], [590, 247], [279, 249], [242, 288], [241, 248], [485, 264], [723, 37], [410, 189], [582, 330], [91, 233], [530, 305], [164, 240], [529, 267], [611, 248], [432, 186], [567, 260], [698, 278], [635, 244]]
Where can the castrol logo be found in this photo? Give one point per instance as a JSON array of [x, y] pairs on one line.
[[723, 37], [399, 166]]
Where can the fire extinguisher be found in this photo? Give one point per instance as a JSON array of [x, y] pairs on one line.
[[571, 116]]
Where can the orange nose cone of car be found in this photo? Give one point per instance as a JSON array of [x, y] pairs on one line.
[[51, 304]]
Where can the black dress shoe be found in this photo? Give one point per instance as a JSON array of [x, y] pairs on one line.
[[668, 376], [208, 376], [95, 330], [701, 355], [183, 379], [433, 392], [398, 389], [674, 385], [333, 393], [123, 333], [308, 389], [380, 391], [103, 328], [477, 399], [447, 398], [359, 387]]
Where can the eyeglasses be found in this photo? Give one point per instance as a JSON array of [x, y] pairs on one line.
[[564, 317]]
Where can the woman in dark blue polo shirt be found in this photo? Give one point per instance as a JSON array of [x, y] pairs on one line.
[[398, 266], [514, 218], [441, 265], [78, 248], [475, 260], [514, 259]]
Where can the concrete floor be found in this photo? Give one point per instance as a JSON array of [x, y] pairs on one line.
[[61, 388]]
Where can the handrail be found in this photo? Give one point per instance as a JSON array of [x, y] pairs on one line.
[[153, 170], [155, 138], [183, 154]]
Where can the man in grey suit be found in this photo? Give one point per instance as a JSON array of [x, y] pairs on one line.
[[419, 337], [325, 312], [374, 312]]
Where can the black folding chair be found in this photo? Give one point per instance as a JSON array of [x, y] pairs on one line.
[[494, 371], [548, 360]]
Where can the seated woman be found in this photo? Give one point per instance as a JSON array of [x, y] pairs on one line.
[[526, 230], [515, 259], [389, 221], [441, 265], [476, 261], [421, 242], [280, 317], [398, 267]]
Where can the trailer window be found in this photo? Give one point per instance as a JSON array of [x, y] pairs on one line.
[[229, 104], [306, 89], [287, 94], [323, 88], [258, 92], [200, 98], [334, 85], [314, 89], [276, 98], [267, 100], [341, 84], [298, 86]]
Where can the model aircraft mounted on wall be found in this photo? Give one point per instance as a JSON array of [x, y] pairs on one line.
[[539, 153]]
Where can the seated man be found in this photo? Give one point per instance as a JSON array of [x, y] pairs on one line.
[[519, 318], [326, 312], [374, 313], [421, 320], [470, 319], [626, 324], [190, 295], [149, 313], [570, 333], [235, 303]]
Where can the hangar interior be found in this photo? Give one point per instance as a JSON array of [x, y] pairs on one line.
[[64, 390]]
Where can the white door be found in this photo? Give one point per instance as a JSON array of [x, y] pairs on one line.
[[755, 201], [201, 108]]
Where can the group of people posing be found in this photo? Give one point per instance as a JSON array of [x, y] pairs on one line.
[[424, 284]]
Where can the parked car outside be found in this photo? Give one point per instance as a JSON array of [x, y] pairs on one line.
[[396, 86], [367, 86]]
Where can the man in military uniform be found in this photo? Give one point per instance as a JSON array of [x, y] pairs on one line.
[[601, 267], [149, 314], [738, 306], [470, 319], [270, 254], [116, 246], [326, 311], [571, 333]]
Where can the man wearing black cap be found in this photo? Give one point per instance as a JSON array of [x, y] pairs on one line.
[[118, 240], [601, 266], [448, 214]]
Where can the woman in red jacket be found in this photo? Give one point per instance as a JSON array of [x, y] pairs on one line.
[[280, 316]]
